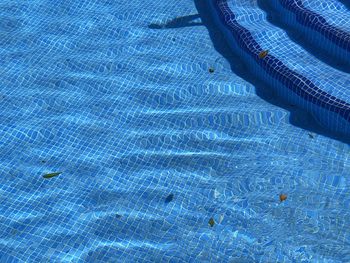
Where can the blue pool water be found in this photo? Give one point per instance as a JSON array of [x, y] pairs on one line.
[[161, 121]]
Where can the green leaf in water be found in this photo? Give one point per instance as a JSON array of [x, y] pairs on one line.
[[51, 175]]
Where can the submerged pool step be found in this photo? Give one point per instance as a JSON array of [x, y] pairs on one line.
[[316, 30], [332, 112]]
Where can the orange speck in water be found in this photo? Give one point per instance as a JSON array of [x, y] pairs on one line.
[[263, 54], [283, 197]]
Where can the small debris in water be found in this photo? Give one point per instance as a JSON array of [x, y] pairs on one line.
[[169, 198], [43, 161], [211, 70], [283, 197], [118, 216], [173, 39], [263, 54], [311, 135], [216, 193], [50, 175], [221, 218], [211, 222]]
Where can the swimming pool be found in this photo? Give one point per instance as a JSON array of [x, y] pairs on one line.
[[173, 142]]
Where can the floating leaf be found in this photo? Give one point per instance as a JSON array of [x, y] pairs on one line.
[[211, 222], [263, 54], [50, 175], [283, 197]]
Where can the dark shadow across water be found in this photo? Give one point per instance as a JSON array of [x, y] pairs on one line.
[[178, 22]]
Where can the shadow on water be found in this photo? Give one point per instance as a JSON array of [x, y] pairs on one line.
[[298, 117], [273, 17], [184, 21]]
